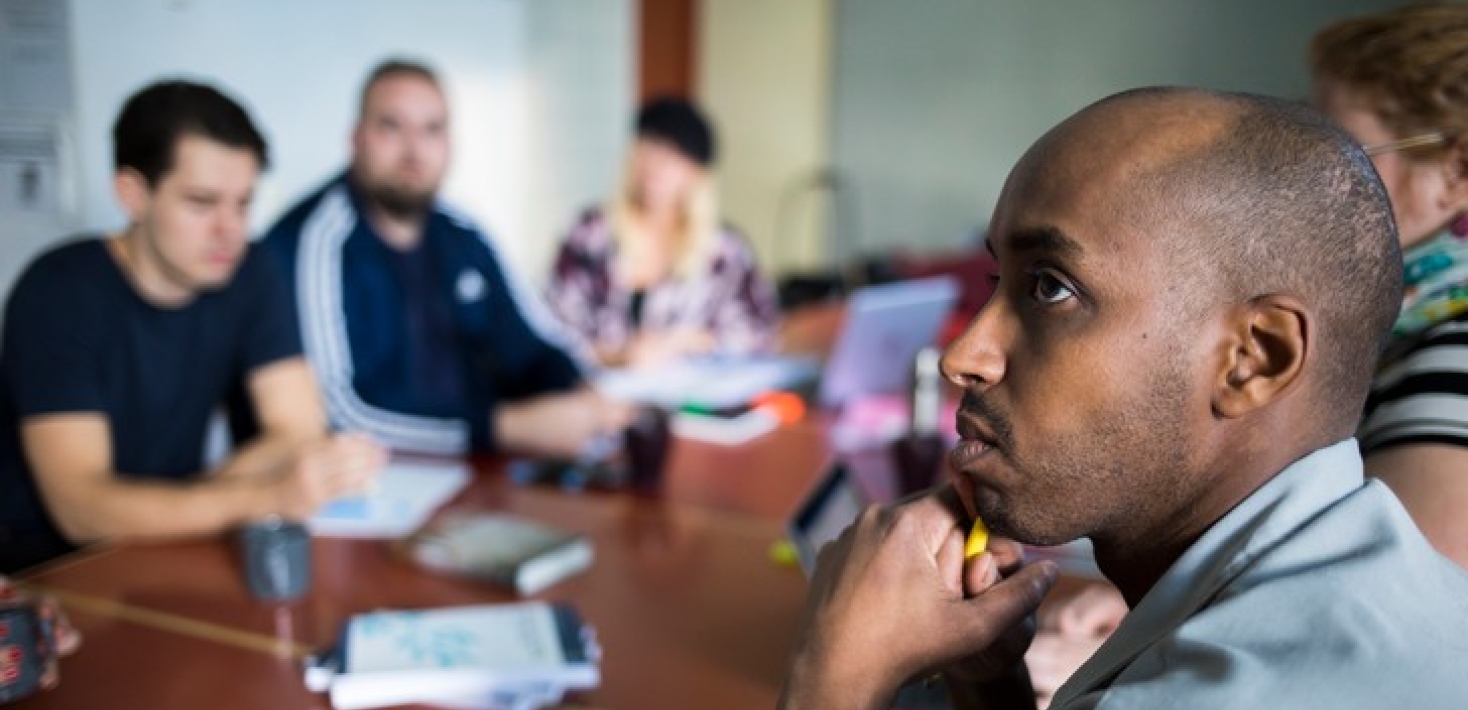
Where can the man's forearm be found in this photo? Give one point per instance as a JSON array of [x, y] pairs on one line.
[[153, 510], [265, 454], [804, 692], [815, 684]]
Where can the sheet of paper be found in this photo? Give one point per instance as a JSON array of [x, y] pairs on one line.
[[30, 168], [499, 637], [482, 657], [35, 57], [403, 497]]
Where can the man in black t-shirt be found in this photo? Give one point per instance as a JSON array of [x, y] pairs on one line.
[[117, 350]]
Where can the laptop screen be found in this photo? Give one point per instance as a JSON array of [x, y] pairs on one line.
[[885, 327]]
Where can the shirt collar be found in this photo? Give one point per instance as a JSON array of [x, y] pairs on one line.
[[1272, 513]]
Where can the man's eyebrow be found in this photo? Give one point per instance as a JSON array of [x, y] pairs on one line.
[[1044, 239]]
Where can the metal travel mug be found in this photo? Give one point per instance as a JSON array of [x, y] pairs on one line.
[[277, 559]]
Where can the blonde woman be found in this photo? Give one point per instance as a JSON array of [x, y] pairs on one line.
[[654, 276]]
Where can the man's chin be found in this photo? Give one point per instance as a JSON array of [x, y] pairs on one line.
[[965, 495], [404, 200], [1006, 522], [212, 282]]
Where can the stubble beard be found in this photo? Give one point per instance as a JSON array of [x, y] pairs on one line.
[[1121, 474]]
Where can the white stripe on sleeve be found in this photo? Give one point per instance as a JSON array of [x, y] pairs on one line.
[[324, 334]]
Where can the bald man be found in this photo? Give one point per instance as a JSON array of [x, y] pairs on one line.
[[1193, 289]]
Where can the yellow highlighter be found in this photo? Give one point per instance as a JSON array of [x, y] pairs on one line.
[[978, 540]]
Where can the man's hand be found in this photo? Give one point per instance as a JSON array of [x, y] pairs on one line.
[[561, 425], [324, 471], [1001, 658], [892, 599], [1070, 632]]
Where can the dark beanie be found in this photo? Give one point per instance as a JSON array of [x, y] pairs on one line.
[[680, 124]]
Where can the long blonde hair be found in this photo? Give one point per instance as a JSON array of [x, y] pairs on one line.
[[699, 227]]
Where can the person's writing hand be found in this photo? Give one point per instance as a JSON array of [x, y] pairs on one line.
[[561, 425], [1095, 611], [326, 470], [1070, 632], [891, 599]]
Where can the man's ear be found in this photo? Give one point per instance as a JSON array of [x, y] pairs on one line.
[[133, 192], [1269, 339], [359, 131]]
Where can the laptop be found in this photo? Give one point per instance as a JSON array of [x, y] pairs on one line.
[[831, 507], [885, 327]]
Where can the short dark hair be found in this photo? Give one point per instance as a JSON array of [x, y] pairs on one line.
[[679, 123], [395, 67], [1281, 200], [148, 129]]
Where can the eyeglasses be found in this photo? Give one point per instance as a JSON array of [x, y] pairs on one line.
[[1419, 141]]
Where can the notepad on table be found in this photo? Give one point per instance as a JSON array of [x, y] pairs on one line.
[[484, 657], [521, 554], [403, 496]]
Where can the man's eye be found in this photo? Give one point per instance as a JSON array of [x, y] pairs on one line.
[[1050, 289]]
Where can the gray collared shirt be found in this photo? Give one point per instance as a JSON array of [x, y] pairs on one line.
[[1317, 591]]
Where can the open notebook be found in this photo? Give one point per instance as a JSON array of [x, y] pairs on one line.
[[403, 497]]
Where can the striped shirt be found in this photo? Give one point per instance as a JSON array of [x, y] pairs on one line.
[[1421, 395]]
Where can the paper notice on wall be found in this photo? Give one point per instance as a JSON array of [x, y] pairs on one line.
[[35, 57], [30, 169]]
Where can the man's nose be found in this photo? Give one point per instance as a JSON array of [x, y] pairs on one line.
[[232, 222], [977, 357]]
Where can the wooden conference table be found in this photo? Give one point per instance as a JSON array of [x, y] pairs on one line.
[[687, 604], [688, 607]]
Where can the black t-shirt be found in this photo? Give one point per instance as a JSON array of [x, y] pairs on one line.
[[79, 338]]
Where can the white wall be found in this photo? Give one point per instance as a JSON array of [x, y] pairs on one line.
[[936, 100], [580, 99], [513, 69], [764, 74]]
